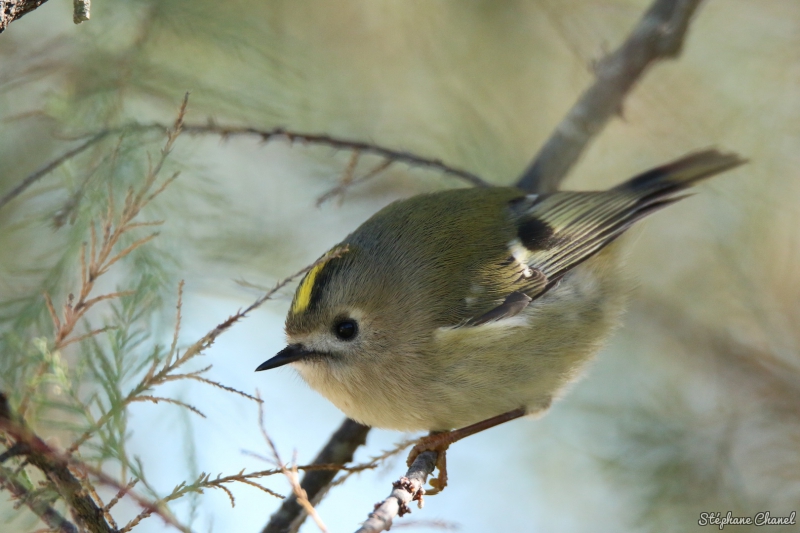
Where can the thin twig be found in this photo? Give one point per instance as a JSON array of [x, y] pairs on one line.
[[215, 384], [338, 450], [173, 349], [156, 399], [241, 477], [88, 335], [340, 143], [120, 493], [52, 165], [659, 35], [346, 184], [291, 474], [404, 491], [374, 461], [265, 135]]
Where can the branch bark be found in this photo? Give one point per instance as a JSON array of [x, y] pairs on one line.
[[38, 453], [56, 466], [660, 34], [40, 508], [404, 491], [338, 450], [11, 10]]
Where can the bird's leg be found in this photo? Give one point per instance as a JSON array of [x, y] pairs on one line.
[[439, 441]]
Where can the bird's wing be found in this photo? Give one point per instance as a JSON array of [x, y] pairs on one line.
[[556, 232], [511, 306]]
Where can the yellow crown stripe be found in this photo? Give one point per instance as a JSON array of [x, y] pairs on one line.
[[303, 296], [302, 299]]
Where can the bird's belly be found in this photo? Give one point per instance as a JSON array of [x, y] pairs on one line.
[[472, 373], [527, 360]]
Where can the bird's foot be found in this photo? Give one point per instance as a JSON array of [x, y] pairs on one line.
[[435, 442], [439, 441]]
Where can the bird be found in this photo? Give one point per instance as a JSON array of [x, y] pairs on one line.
[[454, 311]]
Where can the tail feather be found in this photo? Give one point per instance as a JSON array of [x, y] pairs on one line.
[[579, 224], [681, 173]]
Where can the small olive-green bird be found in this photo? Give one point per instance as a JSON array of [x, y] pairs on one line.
[[472, 306]]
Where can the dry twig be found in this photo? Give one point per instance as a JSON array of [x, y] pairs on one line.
[[66, 474], [51, 166], [291, 474], [338, 451], [348, 181], [102, 253], [389, 155], [404, 491]]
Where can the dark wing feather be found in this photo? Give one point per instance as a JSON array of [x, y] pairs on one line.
[[511, 306], [582, 223], [558, 231]]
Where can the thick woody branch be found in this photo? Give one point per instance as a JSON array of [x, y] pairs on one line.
[[11, 10], [404, 491], [38, 453], [40, 508], [57, 467], [659, 35], [338, 450]]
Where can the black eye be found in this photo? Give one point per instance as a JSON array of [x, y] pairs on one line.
[[346, 329]]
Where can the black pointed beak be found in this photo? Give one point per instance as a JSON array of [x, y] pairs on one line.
[[290, 354]]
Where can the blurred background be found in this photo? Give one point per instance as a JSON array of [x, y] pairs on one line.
[[694, 404]]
